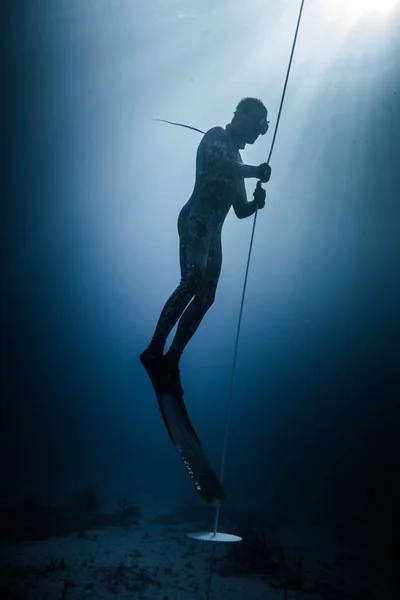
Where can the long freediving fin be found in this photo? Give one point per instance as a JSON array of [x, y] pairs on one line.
[[187, 443]]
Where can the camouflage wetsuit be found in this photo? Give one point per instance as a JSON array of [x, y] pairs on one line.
[[218, 186]]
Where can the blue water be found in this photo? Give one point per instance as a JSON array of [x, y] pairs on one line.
[[93, 188]]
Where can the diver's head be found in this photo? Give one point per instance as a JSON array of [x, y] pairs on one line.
[[249, 121]]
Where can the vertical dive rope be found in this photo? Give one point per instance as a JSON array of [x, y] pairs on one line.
[[228, 418]]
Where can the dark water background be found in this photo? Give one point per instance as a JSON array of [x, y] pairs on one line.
[[89, 255]]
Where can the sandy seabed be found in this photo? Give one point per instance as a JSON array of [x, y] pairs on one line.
[[153, 559]]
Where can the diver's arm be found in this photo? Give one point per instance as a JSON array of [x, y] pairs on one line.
[[244, 171], [262, 172], [241, 206], [235, 168], [219, 155], [226, 167], [229, 168], [244, 209]]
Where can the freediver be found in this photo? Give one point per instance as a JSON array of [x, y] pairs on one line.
[[219, 184]]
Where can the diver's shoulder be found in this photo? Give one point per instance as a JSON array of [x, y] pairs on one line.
[[216, 136], [217, 132]]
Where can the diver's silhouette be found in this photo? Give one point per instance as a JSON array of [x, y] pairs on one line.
[[219, 184]]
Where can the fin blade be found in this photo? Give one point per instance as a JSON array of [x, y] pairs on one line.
[[190, 451]]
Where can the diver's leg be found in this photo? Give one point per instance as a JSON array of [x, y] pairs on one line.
[[170, 314], [193, 253], [203, 265], [202, 301]]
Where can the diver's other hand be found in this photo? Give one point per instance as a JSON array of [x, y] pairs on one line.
[[259, 195], [264, 172]]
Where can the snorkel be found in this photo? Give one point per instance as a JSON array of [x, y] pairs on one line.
[[179, 125]]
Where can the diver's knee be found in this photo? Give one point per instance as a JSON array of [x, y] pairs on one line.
[[209, 297], [193, 283]]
